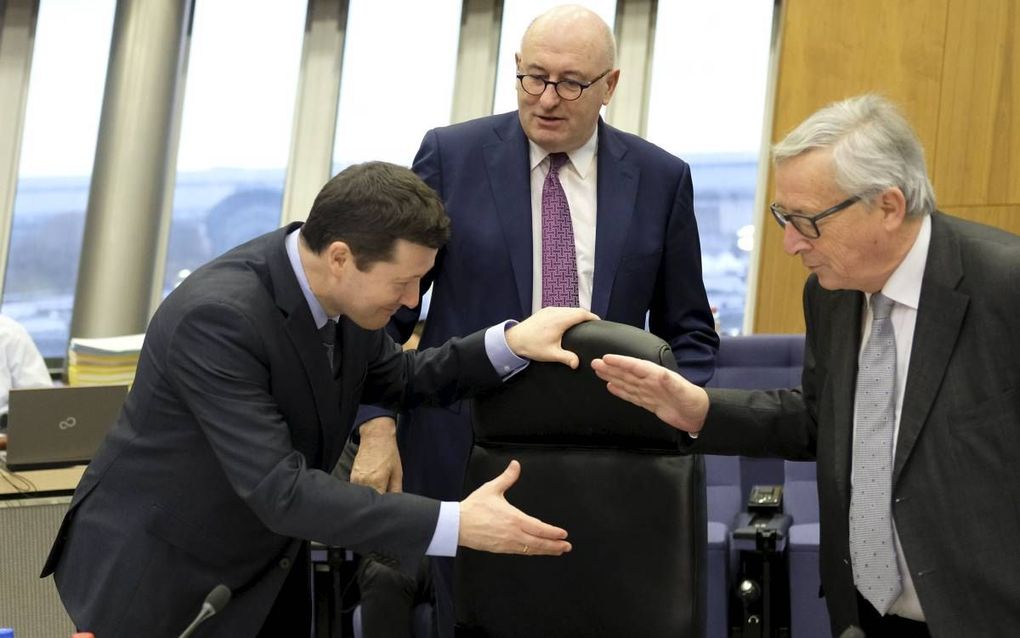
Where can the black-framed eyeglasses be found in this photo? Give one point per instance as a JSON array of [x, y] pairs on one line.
[[568, 90], [807, 225]]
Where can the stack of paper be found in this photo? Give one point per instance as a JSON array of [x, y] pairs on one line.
[[103, 361]]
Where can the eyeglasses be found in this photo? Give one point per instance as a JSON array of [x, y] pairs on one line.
[[807, 225], [568, 90]]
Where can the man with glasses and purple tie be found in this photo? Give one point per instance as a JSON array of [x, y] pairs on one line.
[[549, 206], [909, 399]]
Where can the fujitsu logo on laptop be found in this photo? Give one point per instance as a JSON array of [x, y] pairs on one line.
[[68, 423]]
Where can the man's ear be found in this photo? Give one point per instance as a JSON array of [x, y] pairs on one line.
[[339, 257], [893, 205], [611, 81]]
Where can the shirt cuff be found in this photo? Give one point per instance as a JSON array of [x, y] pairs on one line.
[[444, 541], [503, 359]]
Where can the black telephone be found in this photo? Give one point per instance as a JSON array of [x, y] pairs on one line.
[[765, 498]]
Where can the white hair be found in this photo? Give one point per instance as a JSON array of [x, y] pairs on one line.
[[873, 148]]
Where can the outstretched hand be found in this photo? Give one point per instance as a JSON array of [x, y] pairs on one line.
[[489, 523], [539, 336], [663, 392]]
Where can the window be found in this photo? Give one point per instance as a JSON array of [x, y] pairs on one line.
[[517, 15], [72, 46], [707, 105], [235, 129], [397, 80]]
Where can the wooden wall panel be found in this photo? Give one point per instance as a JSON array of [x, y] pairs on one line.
[[830, 50], [1005, 217], [977, 158]]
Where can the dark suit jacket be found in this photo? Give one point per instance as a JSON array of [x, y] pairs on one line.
[[647, 260], [218, 465], [956, 479]]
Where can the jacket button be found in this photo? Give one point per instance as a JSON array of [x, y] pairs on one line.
[[284, 563]]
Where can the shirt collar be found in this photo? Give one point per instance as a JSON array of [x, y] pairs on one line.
[[580, 158], [318, 313], [904, 285]]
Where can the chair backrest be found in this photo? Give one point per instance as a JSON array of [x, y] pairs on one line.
[[759, 362], [800, 492], [722, 480], [610, 474]]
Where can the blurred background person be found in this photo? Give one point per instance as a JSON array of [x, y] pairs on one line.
[[21, 365]]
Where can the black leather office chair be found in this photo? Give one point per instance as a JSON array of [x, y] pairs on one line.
[[610, 474]]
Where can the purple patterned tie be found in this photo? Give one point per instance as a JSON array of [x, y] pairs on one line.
[[559, 260]]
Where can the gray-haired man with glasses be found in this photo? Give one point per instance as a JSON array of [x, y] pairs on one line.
[[552, 206], [807, 225], [911, 388]]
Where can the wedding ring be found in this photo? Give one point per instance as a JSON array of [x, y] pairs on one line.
[[525, 550]]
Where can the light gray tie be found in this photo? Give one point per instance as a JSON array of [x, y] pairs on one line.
[[872, 549]]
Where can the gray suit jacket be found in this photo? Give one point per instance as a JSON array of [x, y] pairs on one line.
[[956, 479], [218, 466]]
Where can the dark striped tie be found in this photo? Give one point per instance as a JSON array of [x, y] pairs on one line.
[[328, 335]]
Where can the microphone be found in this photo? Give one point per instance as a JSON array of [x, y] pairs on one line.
[[852, 631], [213, 603]]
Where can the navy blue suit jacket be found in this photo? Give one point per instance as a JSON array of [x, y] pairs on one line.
[[647, 260], [216, 470]]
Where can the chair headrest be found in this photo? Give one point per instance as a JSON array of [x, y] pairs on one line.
[[548, 403]]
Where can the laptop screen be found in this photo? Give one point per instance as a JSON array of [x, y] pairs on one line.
[[59, 427]]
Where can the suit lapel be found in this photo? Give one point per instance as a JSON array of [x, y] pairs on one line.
[[507, 165], [940, 315], [300, 329], [616, 193], [845, 338]]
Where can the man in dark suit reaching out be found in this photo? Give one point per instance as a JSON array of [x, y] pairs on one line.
[[910, 399], [218, 468]]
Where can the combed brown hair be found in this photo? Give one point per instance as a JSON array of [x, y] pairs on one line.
[[369, 206]]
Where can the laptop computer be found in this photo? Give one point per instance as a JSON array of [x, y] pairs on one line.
[[59, 427]]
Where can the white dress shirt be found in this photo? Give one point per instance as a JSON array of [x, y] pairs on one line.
[[904, 288], [579, 180], [21, 365]]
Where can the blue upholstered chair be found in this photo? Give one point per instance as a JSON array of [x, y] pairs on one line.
[[747, 362], [808, 616], [724, 500]]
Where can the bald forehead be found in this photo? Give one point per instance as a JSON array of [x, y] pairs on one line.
[[572, 25]]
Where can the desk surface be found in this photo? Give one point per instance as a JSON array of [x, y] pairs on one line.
[[62, 480]]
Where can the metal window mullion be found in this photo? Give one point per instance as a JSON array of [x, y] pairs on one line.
[[310, 163], [635, 44], [18, 20], [474, 90], [127, 195]]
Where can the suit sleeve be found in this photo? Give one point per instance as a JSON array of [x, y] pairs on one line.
[[679, 311], [218, 369], [772, 423], [435, 376]]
